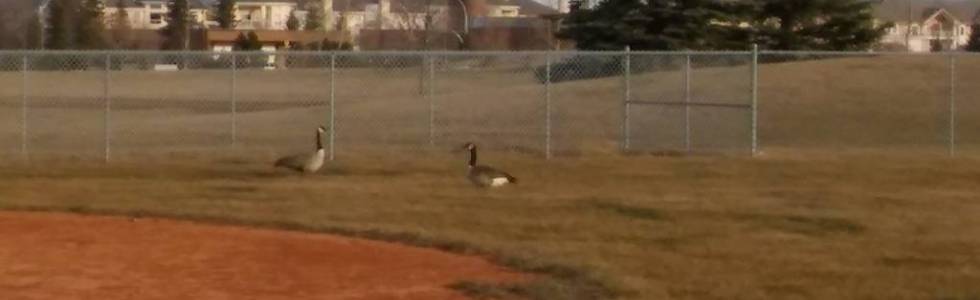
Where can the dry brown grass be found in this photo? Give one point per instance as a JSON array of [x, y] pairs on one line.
[[836, 104], [852, 197], [780, 226]]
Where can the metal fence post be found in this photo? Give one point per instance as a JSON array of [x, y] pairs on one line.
[[107, 122], [23, 110], [430, 93], [234, 99], [626, 99], [952, 104], [333, 107], [687, 103], [755, 99], [547, 106]]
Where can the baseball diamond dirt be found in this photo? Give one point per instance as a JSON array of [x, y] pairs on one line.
[[63, 256]]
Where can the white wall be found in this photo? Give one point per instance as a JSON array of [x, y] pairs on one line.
[[140, 17], [920, 42], [265, 15]]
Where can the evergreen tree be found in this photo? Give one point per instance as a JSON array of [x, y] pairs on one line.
[[248, 42], [34, 33], [177, 32], [653, 24], [293, 23], [612, 25], [974, 44], [836, 25], [314, 19], [695, 24], [226, 14], [714, 24], [59, 19], [90, 26], [121, 30]]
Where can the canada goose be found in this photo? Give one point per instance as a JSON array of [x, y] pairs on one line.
[[485, 176], [305, 162]]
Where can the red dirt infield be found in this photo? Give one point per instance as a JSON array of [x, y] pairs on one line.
[[65, 256]]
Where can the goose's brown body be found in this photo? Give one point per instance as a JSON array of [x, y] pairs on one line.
[[305, 162], [485, 176]]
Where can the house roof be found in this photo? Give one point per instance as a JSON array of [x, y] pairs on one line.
[[507, 22], [399, 6], [528, 7], [351, 5], [273, 36], [253, 1], [898, 10]]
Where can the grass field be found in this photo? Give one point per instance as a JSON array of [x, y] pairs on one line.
[[885, 227], [853, 196], [885, 103]]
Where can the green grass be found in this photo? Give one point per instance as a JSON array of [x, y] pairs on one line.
[[630, 227]]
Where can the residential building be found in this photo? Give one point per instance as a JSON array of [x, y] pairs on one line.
[[151, 14], [264, 14], [449, 15], [926, 25]]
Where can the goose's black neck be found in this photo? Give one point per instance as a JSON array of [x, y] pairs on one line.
[[472, 156], [319, 140]]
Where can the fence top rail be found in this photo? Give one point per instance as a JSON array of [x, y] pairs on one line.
[[365, 53], [368, 53], [475, 53], [866, 53]]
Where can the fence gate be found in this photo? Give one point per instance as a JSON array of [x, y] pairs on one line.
[[689, 102]]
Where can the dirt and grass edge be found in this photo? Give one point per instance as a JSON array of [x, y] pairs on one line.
[[558, 281]]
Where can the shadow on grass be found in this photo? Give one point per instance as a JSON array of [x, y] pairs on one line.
[[560, 282], [807, 225], [634, 212], [916, 262]]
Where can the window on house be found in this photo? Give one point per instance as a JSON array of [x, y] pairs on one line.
[[915, 30], [508, 12], [156, 18]]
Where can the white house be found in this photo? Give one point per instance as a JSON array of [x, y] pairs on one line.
[[355, 15], [927, 26], [250, 14], [151, 14], [264, 14]]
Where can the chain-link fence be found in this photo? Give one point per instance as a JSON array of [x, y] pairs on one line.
[[118, 105]]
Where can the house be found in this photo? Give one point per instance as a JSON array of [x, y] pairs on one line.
[[411, 24], [355, 15], [452, 15], [223, 40], [264, 14], [926, 25], [250, 14], [151, 14]]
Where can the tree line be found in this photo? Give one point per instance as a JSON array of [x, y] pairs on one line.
[[83, 24], [832, 25], [825, 25]]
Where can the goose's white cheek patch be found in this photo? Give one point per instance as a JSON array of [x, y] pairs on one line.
[[499, 181]]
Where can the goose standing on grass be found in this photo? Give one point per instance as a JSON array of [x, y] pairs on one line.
[[305, 162], [485, 176]]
